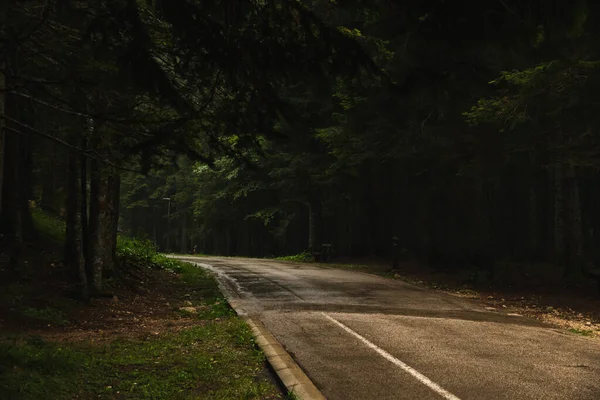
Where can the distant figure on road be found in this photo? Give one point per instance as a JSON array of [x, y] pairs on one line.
[[194, 249]]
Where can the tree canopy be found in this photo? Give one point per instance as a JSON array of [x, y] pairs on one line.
[[466, 129]]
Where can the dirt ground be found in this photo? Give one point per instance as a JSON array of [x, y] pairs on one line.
[[143, 310]]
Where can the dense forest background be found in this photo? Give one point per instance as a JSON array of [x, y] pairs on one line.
[[465, 129]]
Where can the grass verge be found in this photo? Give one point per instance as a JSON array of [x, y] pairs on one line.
[[135, 346], [209, 361]]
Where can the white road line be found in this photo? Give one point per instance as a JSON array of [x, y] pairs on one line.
[[416, 374]]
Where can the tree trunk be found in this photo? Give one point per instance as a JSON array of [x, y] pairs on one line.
[[73, 211], [572, 223], [99, 228], [2, 109], [74, 255], [559, 218], [26, 194], [4, 66], [113, 197], [13, 182], [314, 225], [84, 215], [11, 221], [184, 233], [228, 241]]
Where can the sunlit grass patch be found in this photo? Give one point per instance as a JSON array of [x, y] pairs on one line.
[[49, 226], [301, 257], [581, 332], [217, 360]]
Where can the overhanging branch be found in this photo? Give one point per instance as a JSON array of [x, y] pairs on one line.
[[63, 143]]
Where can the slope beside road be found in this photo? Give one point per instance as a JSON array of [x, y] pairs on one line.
[[360, 336]]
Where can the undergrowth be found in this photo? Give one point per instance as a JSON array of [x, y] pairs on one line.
[[143, 253], [305, 257], [48, 226], [213, 359]]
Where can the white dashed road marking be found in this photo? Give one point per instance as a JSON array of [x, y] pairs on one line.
[[416, 374]]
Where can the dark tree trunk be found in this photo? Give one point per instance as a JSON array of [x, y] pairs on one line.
[[97, 234], [84, 215], [15, 219], [314, 224], [4, 68], [74, 254], [26, 194], [73, 211], [559, 217], [48, 178], [11, 218], [228, 241], [184, 233], [572, 223], [113, 199]]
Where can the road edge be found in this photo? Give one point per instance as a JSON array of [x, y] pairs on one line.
[[287, 370]]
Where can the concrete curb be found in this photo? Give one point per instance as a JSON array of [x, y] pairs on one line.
[[290, 374], [287, 370]]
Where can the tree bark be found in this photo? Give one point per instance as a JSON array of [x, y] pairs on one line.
[[4, 8], [11, 221], [26, 168], [84, 215], [113, 197], [559, 220], [2, 111], [99, 227], [184, 233], [74, 254], [572, 223], [314, 225], [48, 181], [73, 211]]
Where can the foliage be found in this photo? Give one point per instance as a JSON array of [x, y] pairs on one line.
[[301, 257], [180, 365], [49, 226], [143, 253]]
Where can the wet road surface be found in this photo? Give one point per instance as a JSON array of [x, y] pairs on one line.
[[360, 336]]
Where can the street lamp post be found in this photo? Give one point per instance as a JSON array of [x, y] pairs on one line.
[[168, 199]]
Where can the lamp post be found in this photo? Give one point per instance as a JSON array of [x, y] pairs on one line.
[[168, 199]]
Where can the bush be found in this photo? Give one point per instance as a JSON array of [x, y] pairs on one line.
[[143, 253], [305, 256]]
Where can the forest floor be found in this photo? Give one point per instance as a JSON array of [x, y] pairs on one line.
[[170, 336], [575, 307]]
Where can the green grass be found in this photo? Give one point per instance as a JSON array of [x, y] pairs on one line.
[[49, 226], [48, 314], [217, 359], [581, 332], [301, 257], [142, 252], [213, 361], [204, 288]]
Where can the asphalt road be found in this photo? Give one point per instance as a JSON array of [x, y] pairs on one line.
[[360, 336]]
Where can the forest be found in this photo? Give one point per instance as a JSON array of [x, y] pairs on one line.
[[463, 131]]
